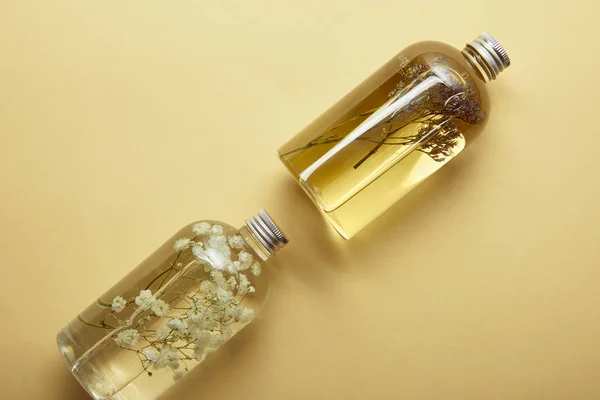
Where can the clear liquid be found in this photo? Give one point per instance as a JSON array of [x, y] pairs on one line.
[[110, 369], [400, 126]]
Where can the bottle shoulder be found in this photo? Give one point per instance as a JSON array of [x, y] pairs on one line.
[[432, 52]]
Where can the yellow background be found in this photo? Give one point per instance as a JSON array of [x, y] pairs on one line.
[[121, 121]]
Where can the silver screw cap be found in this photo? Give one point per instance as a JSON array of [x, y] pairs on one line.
[[266, 232], [487, 55]]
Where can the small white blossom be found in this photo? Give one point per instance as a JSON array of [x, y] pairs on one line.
[[151, 355], [177, 325], [199, 352], [197, 316], [244, 282], [231, 282], [144, 320], [128, 338], [246, 315], [245, 258], [236, 242], [201, 228], [216, 242], [193, 330], [251, 290], [179, 373], [160, 308], [234, 312], [224, 296], [145, 299], [198, 251], [181, 244], [208, 287], [163, 332], [219, 279], [209, 324], [168, 357], [217, 258], [216, 230], [237, 266], [118, 304], [256, 269]]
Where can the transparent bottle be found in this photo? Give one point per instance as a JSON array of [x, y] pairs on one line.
[[178, 306], [398, 127]]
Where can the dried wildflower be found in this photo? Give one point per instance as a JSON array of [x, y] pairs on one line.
[[128, 338], [118, 304]]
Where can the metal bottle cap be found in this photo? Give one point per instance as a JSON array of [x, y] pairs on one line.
[[486, 55], [266, 232]]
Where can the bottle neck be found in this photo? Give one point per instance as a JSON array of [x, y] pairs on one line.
[[263, 235], [486, 56]]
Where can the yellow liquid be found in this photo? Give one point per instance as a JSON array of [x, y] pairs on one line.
[[110, 371], [404, 123]]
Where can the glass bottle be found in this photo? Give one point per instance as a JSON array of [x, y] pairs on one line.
[[398, 127], [184, 301]]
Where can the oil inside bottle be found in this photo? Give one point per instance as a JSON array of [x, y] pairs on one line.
[[401, 125]]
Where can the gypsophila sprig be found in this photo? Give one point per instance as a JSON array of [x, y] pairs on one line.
[[118, 304], [181, 244], [128, 338], [145, 299], [191, 307], [201, 228], [236, 242], [160, 308]]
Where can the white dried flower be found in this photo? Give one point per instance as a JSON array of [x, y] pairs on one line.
[[237, 266], [160, 308], [199, 352], [177, 325], [198, 251], [118, 304], [245, 258], [225, 250], [163, 332], [219, 279], [231, 282], [145, 299], [209, 324], [244, 282], [216, 230], [208, 287], [256, 269], [181, 244], [236, 242], [216, 242], [234, 312], [197, 316], [179, 373], [168, 357], [251, 290], [128, 338], [151, 355], [220, 253], [224, 296], [246, 315], [201, 228], [193, 330]]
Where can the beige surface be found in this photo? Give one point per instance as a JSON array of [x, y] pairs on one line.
[[122, 121]]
